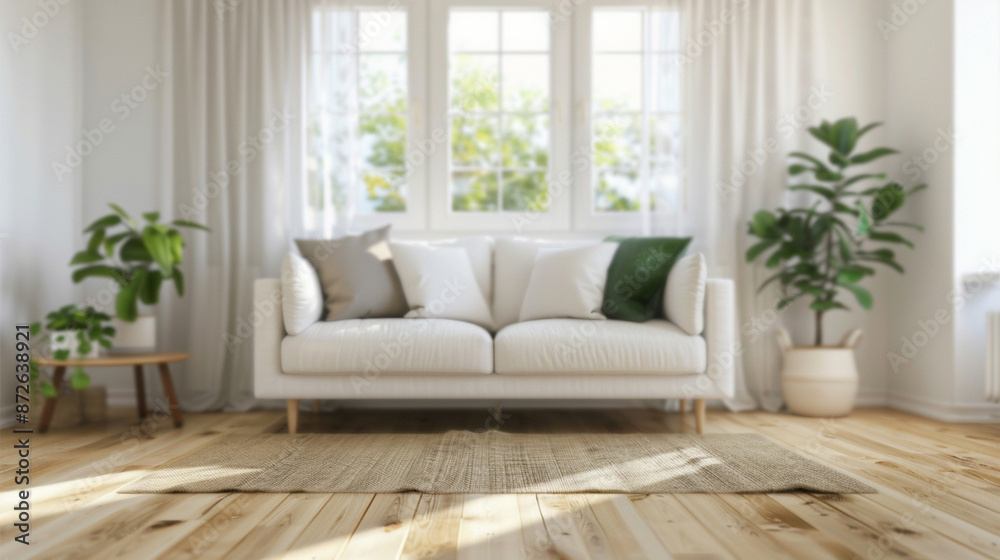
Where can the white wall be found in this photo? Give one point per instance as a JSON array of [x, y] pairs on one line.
[[39, 215]]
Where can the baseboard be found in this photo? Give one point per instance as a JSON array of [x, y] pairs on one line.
[[871, 399], [945, 412]]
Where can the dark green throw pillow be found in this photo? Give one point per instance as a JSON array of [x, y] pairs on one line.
[[638, 274]]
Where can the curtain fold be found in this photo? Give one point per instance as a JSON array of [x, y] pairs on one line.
[[752, 87], [235, 162]]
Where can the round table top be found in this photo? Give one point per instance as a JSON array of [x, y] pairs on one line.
[[119, 359]]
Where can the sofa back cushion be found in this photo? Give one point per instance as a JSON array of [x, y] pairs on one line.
[[480, 250], [514, 260]]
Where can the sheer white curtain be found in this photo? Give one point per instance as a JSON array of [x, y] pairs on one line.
[[234, 147], [752, 87]]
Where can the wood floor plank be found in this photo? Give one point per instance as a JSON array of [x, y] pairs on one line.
[[275, 533], [564, 531], [226, 528], [435, 528], [679, 532], [327, 534], [384, 527]]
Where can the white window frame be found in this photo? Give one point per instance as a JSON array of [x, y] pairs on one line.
[[557, 218], [584, 215], [415, 216]]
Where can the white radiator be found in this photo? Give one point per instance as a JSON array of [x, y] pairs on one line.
[[993, 357]]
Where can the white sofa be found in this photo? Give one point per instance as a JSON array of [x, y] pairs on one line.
[[401, 358]]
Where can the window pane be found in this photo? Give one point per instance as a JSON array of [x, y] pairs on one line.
[[526, 141], [332, 83], [664, 190], [666, 94], [617, 82], [474, 191], [382, 82], [666, 30], [664, 139], [617, 140], [617, 190], [382, 30], [473, 31], [525, 31], [617, 30], [525, 191], [474, 82], [474, 140], [383, 139], [525, 82], [384, 191]]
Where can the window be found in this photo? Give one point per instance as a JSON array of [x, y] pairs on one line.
[[519, 130], [633, 138], [499, 97], [360, 130]]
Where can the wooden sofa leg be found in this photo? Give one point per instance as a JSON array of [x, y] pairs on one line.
[[699, 415], [683, 405], [293, 415]]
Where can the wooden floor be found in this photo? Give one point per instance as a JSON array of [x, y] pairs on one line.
[[939, 496]]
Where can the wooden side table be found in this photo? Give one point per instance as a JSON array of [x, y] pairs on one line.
[[161, 360]]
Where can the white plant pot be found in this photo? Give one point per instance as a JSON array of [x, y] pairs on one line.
[[820, 380], [66, 340], [135, 336]]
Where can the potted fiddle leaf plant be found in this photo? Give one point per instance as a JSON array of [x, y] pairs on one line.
[[139, 258], [71, 332], [824, 252]]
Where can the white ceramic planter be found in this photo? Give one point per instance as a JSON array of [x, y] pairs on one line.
[[66, 340], [135, 336], [820, 380]]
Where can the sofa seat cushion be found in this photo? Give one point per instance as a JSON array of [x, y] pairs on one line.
[[390, 346], [583, 346]]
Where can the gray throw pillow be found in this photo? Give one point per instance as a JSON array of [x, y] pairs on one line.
[[358, 277]]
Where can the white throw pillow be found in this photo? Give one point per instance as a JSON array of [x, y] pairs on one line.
[[568, 283], [684, 299], [514, 259], [301, 295], [480, 251], [439, 283]]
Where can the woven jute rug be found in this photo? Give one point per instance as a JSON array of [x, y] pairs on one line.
[[494, 462]]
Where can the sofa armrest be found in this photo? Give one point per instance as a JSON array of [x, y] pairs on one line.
[[269, 330], [720, 334]]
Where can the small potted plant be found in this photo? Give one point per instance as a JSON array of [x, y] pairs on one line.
[[72, 332], [139, 259], [826, 250]]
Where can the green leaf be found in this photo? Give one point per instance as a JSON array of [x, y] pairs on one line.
[[149, 290], [151, 216], [798, 169], [126, 306], [904, 224], [48, 389], [863, 296], [843, 208], [849, 276], [775, 259], [763, 225], [861, 177], [185, 223], [872, 155], [179, 282], [845, 134], [812, 159], [158, 244], [124, 215], [176, 246], [839, 160], [61, 354], [889, 237], [822, 191], [35, 329], [887, 200], [105, 222], [86, 257], [757, 249], [916, 188], [828, 176], [95, 241], [79, 380], [134, 250], [98, 270], [864, 221]]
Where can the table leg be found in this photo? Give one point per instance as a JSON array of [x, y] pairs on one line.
[[168, 388], [140, 391], [50, 403]]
